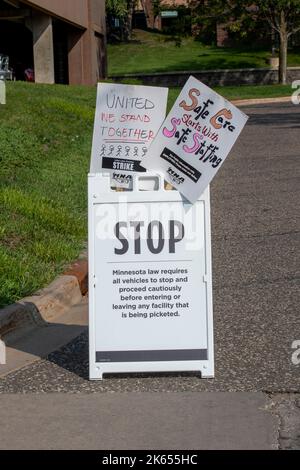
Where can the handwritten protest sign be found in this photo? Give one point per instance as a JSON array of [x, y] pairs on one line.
[[126, 122], [195, 139]]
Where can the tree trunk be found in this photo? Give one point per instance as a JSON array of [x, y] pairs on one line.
[[128, 20], [283, 50]]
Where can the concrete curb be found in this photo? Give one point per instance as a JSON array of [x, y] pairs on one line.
[[79, 269], [47, 304], [282, 99]]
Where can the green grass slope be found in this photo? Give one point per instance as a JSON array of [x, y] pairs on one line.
[[153, 52], [45, 143]]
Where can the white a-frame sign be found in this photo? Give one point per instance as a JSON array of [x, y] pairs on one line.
[[150, 287]]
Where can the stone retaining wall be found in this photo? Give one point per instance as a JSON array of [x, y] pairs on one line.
[[226, 77]]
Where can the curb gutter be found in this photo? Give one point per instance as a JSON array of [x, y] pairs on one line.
[[47, 304], [282, 99]]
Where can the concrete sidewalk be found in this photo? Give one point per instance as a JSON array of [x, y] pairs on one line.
[[36, 343], [174, 421]]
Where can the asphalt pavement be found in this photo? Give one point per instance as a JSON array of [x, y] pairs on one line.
[[255, 247]]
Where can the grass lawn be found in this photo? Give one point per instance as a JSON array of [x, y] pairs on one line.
[[154, 52], [45, 145], [243, 92]]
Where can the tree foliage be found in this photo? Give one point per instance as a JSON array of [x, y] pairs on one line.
[[274, 11], [123, 10], [282, 16], [117, 8], [205, 15]]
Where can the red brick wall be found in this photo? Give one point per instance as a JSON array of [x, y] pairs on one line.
[[222, 35]]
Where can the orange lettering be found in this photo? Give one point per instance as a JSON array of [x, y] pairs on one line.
[[214, 120], [193, 98]]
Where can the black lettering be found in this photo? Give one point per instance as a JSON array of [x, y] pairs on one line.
[[137, 238], [150, 244], [180, 236], [121, 238]]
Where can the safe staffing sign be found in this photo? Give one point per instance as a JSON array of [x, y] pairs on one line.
[[195, 139], [126, 121]]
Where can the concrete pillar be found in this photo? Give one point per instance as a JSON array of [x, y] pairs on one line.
[[86, 65], [43, 48], [80, 59], [87, 48], [75, 58]]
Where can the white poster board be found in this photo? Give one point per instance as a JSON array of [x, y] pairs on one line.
[[150, 287], [126, 121], [195, 139]]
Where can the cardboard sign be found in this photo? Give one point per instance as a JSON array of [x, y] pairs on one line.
[[150, 280], [126, 122], [195, 139]]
